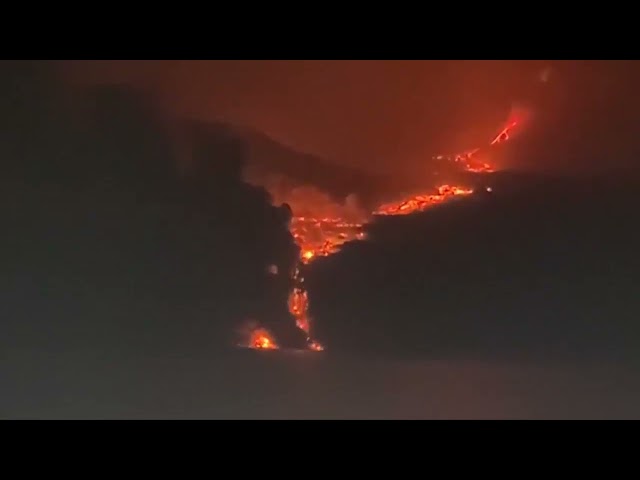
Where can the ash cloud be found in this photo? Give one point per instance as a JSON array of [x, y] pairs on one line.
[[111, 244]]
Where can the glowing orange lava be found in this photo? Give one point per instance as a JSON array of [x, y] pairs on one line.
[[321, 237], [321, 228], [261, 339], [419, 203], [503, 136]]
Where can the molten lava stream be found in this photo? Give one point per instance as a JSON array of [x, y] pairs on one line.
[[419, 203], [321, 236], [299, 303], [325, 236]]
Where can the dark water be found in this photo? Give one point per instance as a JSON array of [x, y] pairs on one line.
[[307, 385]]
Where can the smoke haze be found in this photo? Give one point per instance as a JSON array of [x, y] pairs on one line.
[[390, 116], [139, 243]]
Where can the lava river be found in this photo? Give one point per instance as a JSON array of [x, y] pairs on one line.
[[320, 229]]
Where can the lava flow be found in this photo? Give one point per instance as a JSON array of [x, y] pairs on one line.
[[421, 202], [320, 228]]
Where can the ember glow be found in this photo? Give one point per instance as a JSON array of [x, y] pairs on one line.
[[320, 227]]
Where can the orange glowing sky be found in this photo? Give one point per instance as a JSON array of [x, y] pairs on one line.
[[360, 113], [379, 113]]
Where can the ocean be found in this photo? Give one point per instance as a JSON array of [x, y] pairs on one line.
[[248, 384]]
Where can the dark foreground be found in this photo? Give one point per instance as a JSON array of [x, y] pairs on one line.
[[304, 385]]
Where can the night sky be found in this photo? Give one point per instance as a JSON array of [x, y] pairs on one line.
[[134, 249]]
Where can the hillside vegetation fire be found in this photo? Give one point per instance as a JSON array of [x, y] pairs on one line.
[[320, 229]]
